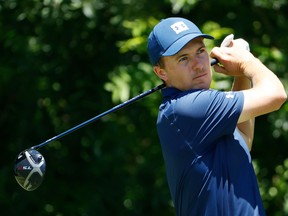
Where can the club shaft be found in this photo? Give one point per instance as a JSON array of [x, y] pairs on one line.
[[89, 121]]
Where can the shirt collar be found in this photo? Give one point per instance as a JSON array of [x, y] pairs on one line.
[[169, 92]]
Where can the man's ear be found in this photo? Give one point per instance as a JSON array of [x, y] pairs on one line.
[[160, 72]]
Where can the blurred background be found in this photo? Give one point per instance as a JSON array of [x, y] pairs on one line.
[[65, 61]]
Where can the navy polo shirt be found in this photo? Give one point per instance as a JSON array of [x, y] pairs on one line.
[[208, 164]]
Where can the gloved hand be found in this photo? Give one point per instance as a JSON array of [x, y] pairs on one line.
[[229, 41], [234, 56]]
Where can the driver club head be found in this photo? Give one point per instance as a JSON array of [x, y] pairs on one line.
[[29, 169]]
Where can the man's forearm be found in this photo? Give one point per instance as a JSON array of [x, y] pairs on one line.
[[246, 128]]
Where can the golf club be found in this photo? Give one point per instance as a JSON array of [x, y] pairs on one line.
[[30, 165]]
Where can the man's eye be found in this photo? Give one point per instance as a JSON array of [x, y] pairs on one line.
[[201, 50], [183, 59]]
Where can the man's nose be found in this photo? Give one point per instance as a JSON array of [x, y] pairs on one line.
[[196, 64]]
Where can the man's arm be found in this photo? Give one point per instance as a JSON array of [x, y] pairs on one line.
[[267, 93], [246, 128]]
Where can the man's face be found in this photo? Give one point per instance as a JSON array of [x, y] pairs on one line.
[[187, 69]]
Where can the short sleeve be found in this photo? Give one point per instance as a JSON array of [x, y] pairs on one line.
[[205, 116]]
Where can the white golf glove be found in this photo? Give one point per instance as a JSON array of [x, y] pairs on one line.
[[227, 40]]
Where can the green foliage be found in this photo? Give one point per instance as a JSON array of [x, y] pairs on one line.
[[63, 62]]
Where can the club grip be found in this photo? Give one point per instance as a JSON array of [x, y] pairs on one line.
[[214, 61]]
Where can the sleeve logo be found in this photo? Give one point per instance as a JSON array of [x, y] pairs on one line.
[[229, 95]]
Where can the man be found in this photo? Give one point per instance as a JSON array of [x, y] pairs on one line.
[[206, 135]]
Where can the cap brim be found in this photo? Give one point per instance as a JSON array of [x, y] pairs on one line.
[[180, 43]]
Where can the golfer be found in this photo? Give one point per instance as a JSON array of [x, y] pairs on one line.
[[206, 135]]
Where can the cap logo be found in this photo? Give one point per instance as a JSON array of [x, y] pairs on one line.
[[179, 27]]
